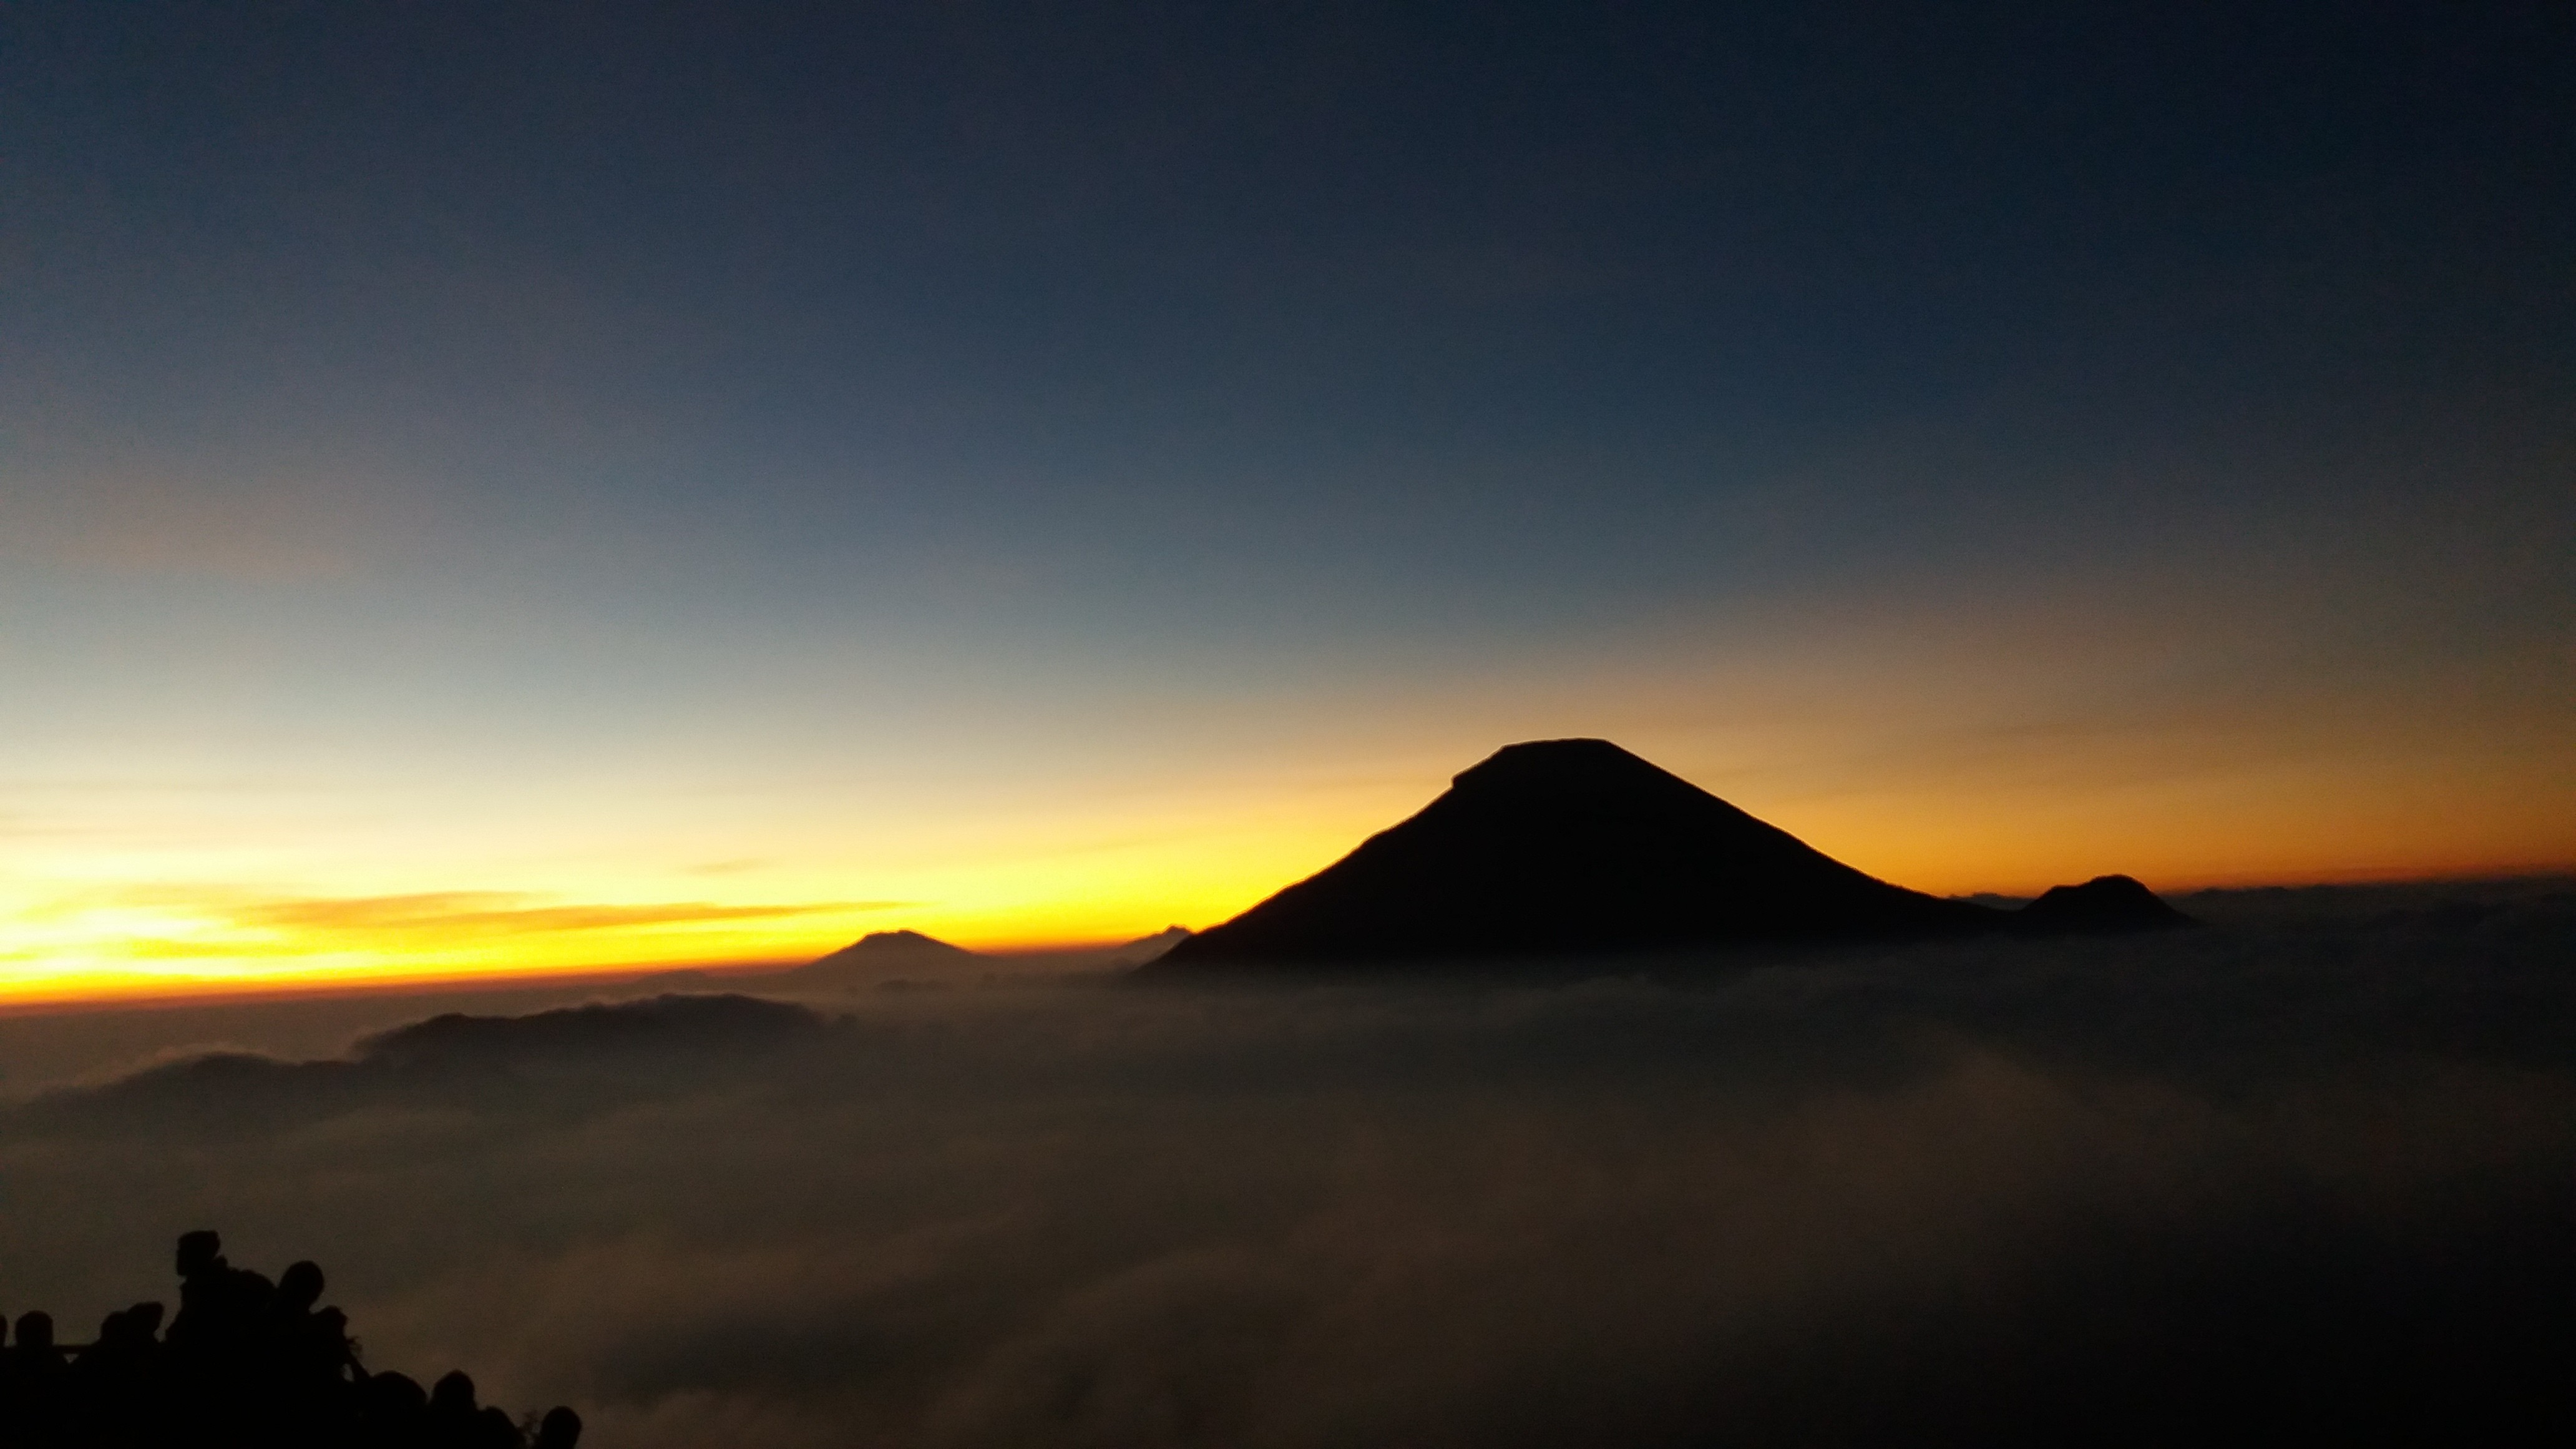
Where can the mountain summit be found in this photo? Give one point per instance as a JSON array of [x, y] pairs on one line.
[[1570, 847], [2104, 905], [886, 948], [864, 960]]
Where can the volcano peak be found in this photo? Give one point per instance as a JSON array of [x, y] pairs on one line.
[[1569, 846]]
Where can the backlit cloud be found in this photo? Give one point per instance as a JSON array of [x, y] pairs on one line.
[[161, 938], [506, 913]]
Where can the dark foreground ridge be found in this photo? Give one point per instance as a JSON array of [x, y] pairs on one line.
[[1561, 848], [245, 1362]]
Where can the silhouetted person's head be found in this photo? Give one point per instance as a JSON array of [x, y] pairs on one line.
[[561, 1429], [300, 1286], [36, 1331], [199, 1251], [131, 1328], [395, 1395], [453, 1394]]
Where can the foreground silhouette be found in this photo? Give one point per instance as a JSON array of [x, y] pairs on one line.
[[244, 1362], [1560, 848]]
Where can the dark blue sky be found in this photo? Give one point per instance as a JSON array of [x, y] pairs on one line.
[[371, 370], [1163, 255]]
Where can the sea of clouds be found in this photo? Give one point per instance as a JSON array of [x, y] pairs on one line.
[[2307, 1168]]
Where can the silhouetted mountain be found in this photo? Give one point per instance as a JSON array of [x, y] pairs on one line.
[[871, 956], [456, 1050], [893, 948], [1570, 847], [2106, 904], [1145, 950], [661, 1023]]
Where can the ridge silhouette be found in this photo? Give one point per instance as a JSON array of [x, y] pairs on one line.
[[867, 960], [1556, 848], [880, 948], [244, 1362], [2104, 904], [864, 959], [1145, 950]]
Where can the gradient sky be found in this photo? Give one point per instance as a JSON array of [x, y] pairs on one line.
[[490, 487]]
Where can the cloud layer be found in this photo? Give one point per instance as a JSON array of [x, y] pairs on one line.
[[2307, 1167]]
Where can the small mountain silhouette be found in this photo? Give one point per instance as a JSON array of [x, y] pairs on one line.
[[2106, 904], [450, 1057], [1145, 950], [869, 957], [1566, 847], [663, 1024], [895, 948]]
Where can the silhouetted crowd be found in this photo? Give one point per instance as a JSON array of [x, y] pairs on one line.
[[244, 1362]]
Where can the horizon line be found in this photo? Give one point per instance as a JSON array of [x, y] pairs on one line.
[[279, 990]]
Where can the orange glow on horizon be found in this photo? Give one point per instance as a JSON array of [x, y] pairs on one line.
[[160, 944], [160, 893], [100, 980]]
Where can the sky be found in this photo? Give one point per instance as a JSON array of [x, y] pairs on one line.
[[495, 488]]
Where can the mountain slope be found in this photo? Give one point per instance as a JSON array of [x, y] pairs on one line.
[[876, 952], [1561, 847], [2104, 905]]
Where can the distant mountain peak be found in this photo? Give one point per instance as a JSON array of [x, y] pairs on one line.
[[2106, 903], [1145, 949], [1567, 847], [877, 941], [892, 948], [1553, 761], [1576, 847]]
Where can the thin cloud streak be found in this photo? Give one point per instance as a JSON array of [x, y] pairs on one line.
[[501, 913], [164, 939]]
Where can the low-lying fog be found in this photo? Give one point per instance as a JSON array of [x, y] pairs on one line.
[[2310, 1167]]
